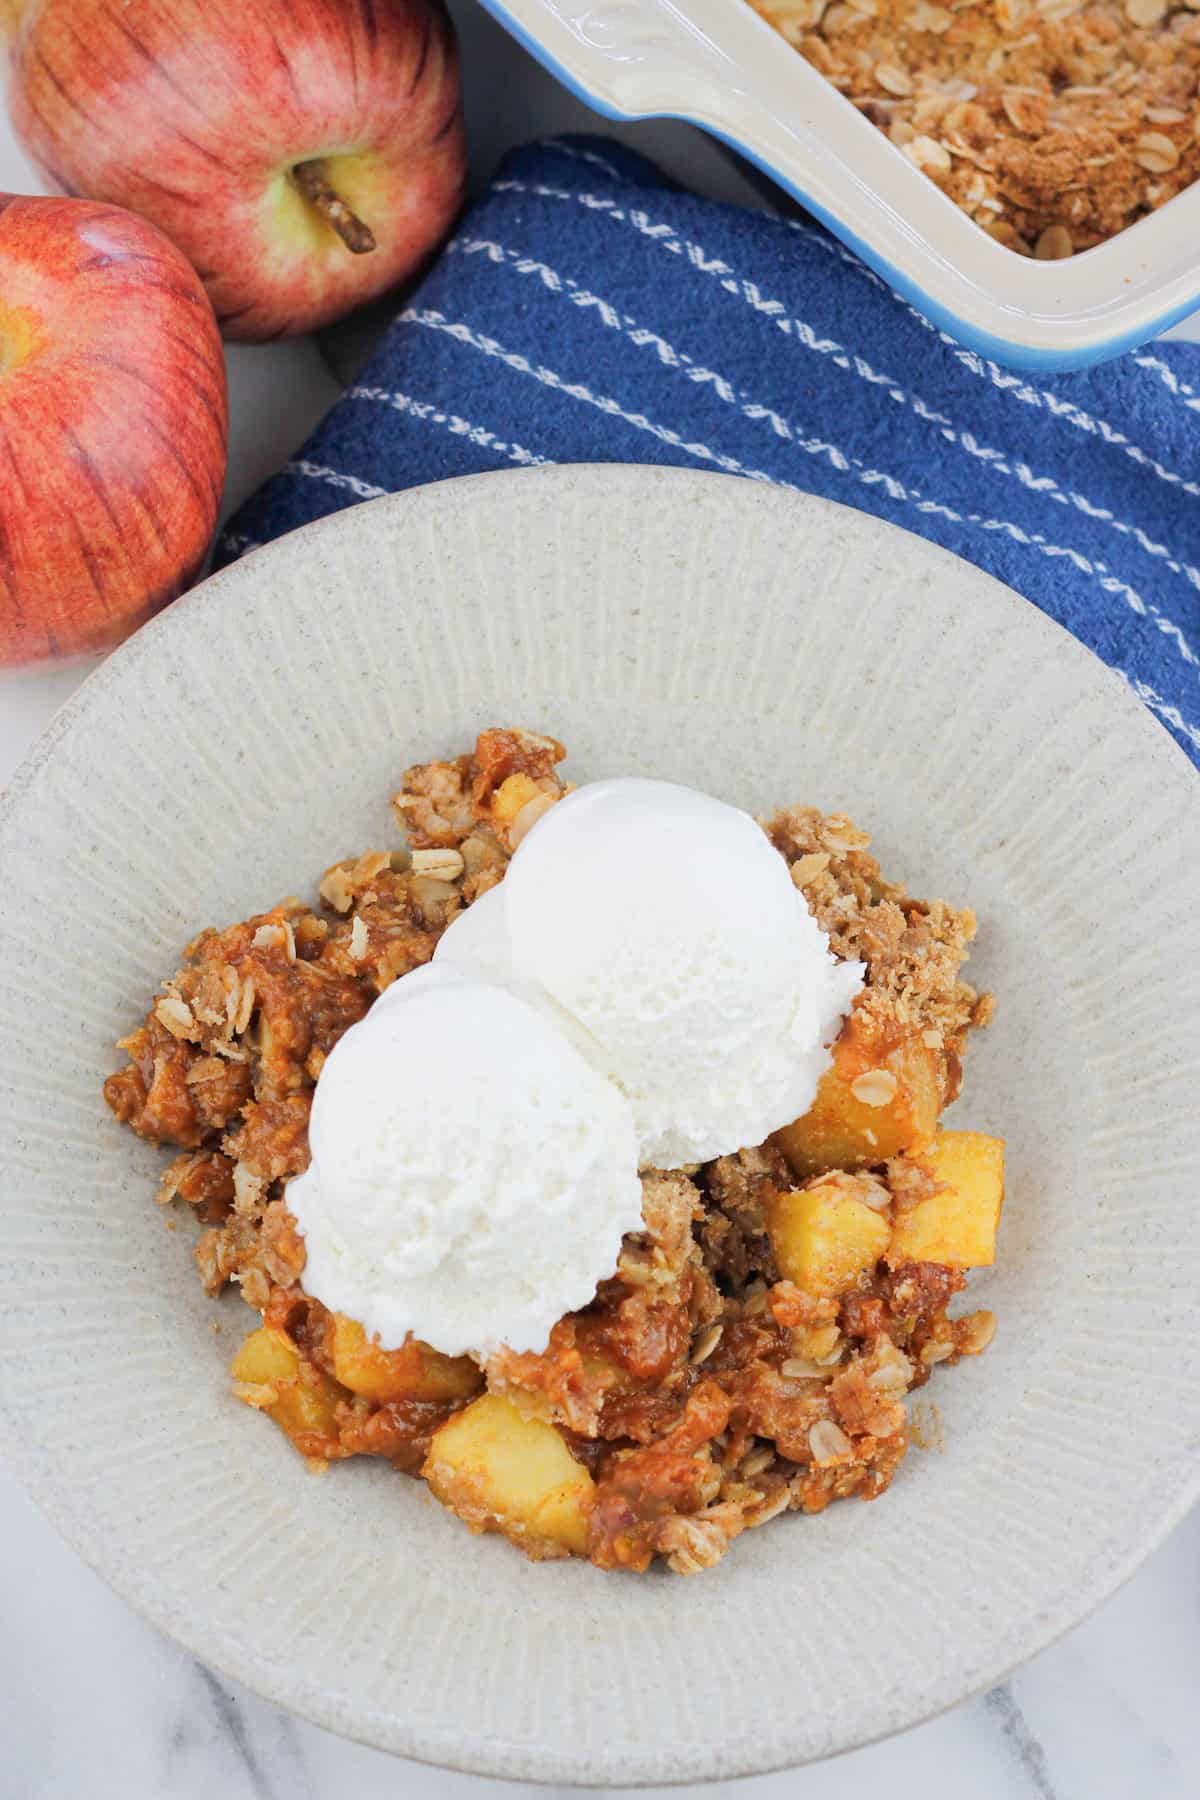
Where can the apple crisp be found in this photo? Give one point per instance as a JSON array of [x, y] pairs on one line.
[[752, 1351], [1052, 123]]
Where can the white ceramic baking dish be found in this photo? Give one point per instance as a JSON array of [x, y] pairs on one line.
[[716, 64]]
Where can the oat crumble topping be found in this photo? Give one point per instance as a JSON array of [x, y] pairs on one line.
[[1052, 123]]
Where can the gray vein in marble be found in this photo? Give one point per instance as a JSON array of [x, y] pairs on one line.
[[229, 1716], [300, 1777], [1024, 1746]]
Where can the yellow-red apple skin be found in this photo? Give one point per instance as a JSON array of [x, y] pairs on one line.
[[113, 426], [192, 112]]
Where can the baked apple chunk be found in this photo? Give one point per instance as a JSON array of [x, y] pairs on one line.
[[501, 1471], [880, 1099]]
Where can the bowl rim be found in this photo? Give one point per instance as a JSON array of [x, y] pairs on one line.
[[718, 66], [407, 1738]]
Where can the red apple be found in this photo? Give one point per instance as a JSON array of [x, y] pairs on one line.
[[304, 156], [112, 425]]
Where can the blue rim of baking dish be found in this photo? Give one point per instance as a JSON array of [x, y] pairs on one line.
[[997, 349]]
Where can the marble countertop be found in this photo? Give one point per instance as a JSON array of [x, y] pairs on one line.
[[96, 1705]]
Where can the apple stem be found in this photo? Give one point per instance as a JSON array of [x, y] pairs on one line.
[[319, 191]]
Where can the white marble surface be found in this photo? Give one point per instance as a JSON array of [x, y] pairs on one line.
[[95, 1705]]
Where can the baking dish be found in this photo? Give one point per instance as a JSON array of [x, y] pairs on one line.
[[718, 65]]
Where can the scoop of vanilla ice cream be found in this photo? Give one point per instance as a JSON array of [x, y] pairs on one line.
[[665, 934], [472, 1176]]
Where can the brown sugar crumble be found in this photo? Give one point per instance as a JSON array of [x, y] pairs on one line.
[[1053, 124], [703, 1391]]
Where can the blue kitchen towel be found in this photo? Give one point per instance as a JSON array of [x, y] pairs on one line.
[[588, 310]]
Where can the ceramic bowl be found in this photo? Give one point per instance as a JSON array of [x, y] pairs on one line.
[[768, 647]]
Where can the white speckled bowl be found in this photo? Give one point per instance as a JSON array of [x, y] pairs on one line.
[[766, 646]]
